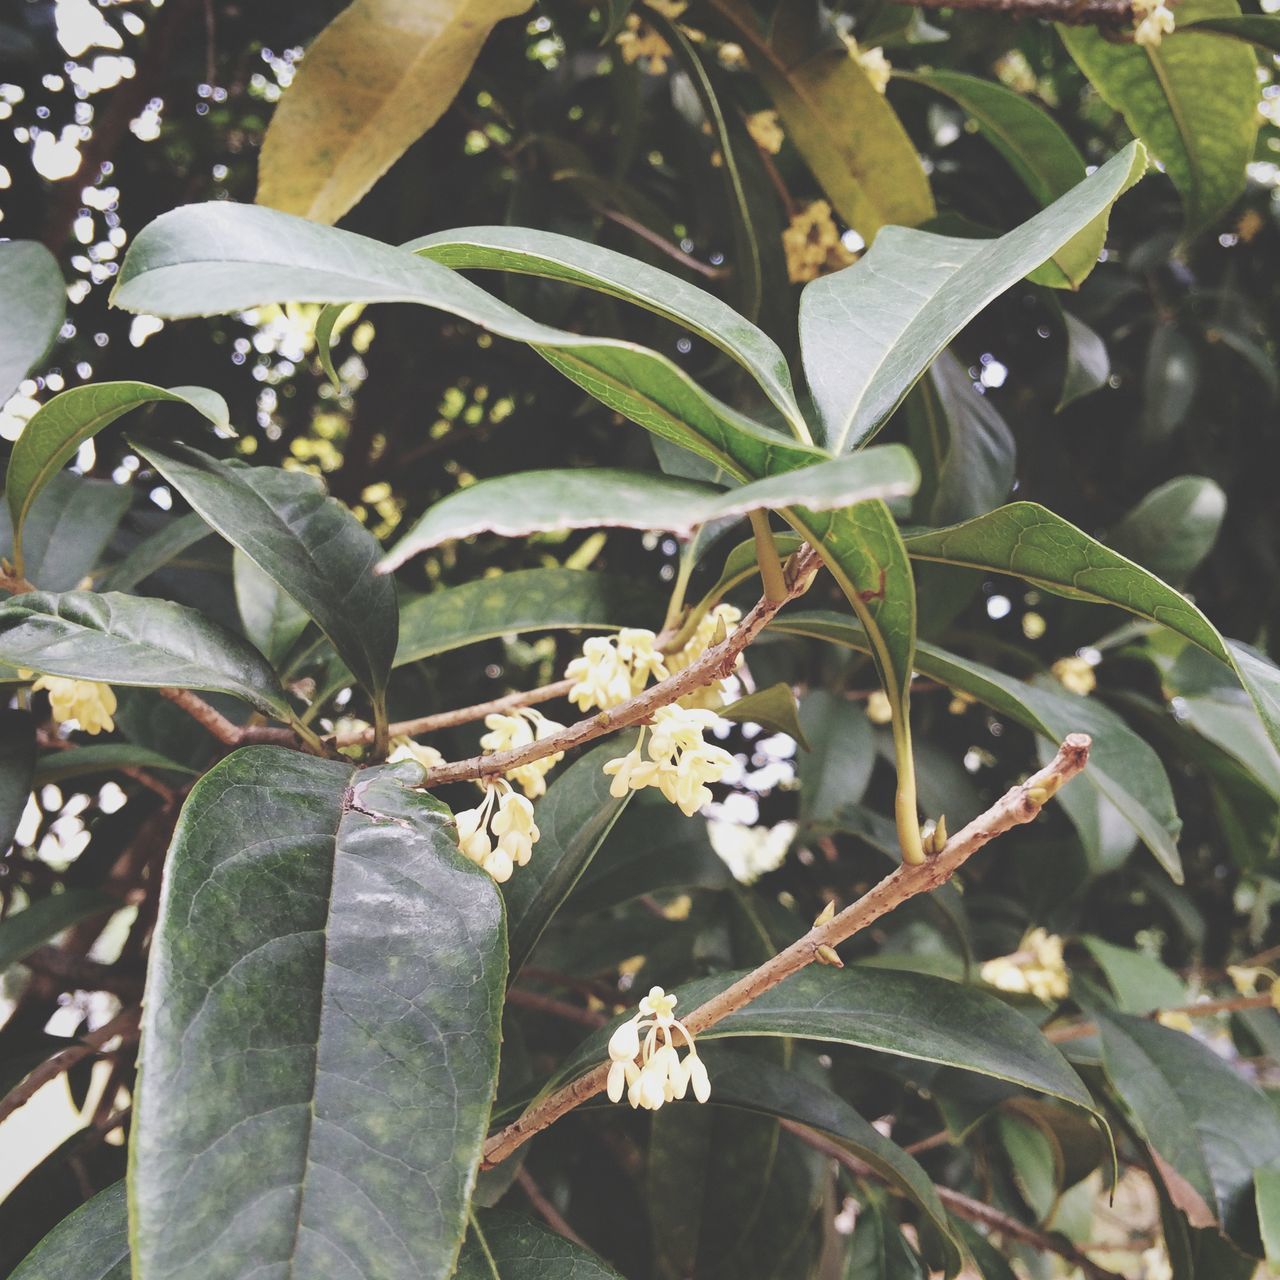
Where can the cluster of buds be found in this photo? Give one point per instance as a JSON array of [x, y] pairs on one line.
[[714, 626], [650, 1070], [1036, 968], [765, 131], [613, 669], [507, 733], [812, 244], [499, 833], [639, 41], [680, 762], [404, 748], [88, 702], [1153, 21], [1075, 675]]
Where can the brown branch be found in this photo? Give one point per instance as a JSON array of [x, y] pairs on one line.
[[559, 1008], [961, 1205], [124, 1024], [83, 974], [1019, 805], [227, 731], [664, 245], [546, 1210], [1205, 1009], [716, 663], [1075, 13]]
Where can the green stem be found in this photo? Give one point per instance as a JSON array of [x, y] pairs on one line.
[[675, 605], [381, 729], [775, 585], [905, 809], [309, 736]]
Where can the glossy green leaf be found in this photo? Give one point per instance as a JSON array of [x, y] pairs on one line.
[[33, 300], [590, 497], [33, 926], [134, 640], [1040, 153], [525, 600], [342, 1125], [1170, 380], [574, 818], [263, 256], [774, 708], [757, 1084], [1169, 92], [835, 773], [556, 257], [1267, 1190], [879, 1250], [1121, 766], [90, 1244], [67, 529], [17, 763], [1262, 29], [273, 620], [154, 552], [1030, 542], [922, 289], [373, 82], [505, 1246], [1173, 528], [62, 425], [1087, 364], [105, 757], [309, 544], [849, 135], [908, 1015], [1139, 982], [1208, 1127]]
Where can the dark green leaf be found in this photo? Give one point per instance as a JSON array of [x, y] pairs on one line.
[[91, 1244], [155, 552], [835, 773], [343, 1032], [506, 1246], [106, 757], [1167, 92], [1033, 1161], [134, 640], [60, 427], [17, 761], [1087, 364], [67, 529], [923, 289], [33, 299], [526, 600], [775, 708], [880, 1251], [309, 544], [1138, 982], [1209, 1128], [1173, 528], [574, 817], [1267, 1189], [1254, 28], [1170, 379], [24, 931], [272, 618]]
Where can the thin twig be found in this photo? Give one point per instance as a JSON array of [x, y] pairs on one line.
[[227, 731], [83, 974], [546, 1210], [559, 1008], [1019, 805], [1075, 13], [124, 1024], [665, 245], [716, 663], [1205, 1009]]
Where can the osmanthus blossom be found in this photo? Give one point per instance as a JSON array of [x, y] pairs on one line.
[[508, 732], [680, 763], [613, 669], [1036, 968], [499, 833], [89, 703], [650, 1070], [1154, 21]]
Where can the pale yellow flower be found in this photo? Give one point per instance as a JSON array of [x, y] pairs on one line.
[[650, 1070], [764, 128], [1153, 21], [1036, 968], [879, 708], [613, 669], [638, 41], [1075, 675], [1175, 1020], [404, 748], [873, 62], [680, 763], [812, 244], [528, 725], [509, 818], [88, 702]]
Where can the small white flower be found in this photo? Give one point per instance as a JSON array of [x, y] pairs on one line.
[[661, 1076], [510, 732], [89, 703], [680, 762], [613, 669], [505, 815], [404, 748]]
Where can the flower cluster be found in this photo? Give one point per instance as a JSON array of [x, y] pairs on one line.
[[660, 1075], [750, 852], [506, 733], [1245, 979], [812, 244], [404, 748], [638, 40], [1036, 968], [512, 825], [89, 703], [877, 67], [1155, 20], [765, 131], [715, 625], [680, 762], [614, 668], [1075, 675]]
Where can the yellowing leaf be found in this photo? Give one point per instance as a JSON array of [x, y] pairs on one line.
[[372, 83]]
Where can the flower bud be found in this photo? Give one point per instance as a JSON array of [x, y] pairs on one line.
[[624, 1044]]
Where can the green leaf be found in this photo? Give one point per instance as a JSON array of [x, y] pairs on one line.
[[555, 257], [506, 1246], [106, 757], [67, 529], [1039, 151], [922, 290], [341, 1126], [1121, 766], [134, 640], [910, 1015], [756, 1084], [60, 427], [1032, 543], [849, 136], [309, 544], [155, 552], [590, 497], [90, 1244], [775, 708], [1173, 528], [17, 762], [574, 817], [880, 1251], [525, 600], [1209, 1128], [263, 256], [836, 772], [1192, 99], [1138, 982], [33, 295], [372, 83], [1267, 1190], [25, 930], [272, 618], [1088, 364], [1253, 28]]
